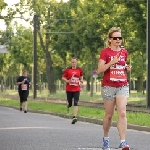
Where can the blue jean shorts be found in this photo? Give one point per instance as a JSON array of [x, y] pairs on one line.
[[110, 93]]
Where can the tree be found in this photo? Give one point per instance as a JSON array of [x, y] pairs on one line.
[[89, 22]]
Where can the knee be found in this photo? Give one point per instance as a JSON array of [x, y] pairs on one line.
[[122, 114], [109, 116]]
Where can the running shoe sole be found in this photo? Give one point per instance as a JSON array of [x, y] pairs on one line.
[[74, 120]]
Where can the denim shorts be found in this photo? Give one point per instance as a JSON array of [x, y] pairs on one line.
[[110, 93]]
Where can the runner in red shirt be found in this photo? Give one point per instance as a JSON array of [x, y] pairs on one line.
[[73, 76], [115, 86]]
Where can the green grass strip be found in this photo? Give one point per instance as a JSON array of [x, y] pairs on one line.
[[136, 118]]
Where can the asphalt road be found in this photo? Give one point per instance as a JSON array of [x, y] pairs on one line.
[[34, 131]]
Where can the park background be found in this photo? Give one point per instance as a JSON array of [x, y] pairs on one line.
[[65, 29]]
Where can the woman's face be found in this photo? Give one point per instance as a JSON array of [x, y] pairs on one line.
[[116, 39], [25, 74]]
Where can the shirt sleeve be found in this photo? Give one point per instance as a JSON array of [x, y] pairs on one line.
[[103, 55], [64, 73], [19, 79], [81, 74]]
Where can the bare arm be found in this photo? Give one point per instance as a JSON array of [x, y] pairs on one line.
[[102, 66], [64, 79], [81, 79], [21, 82]]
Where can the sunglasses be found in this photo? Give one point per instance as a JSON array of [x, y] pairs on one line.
[[116, 38]]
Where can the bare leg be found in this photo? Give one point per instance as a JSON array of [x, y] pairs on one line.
[[67, 106], [109, 112], [20, 104], [121, 102], [75, 111], [25, 105], [67, 103]]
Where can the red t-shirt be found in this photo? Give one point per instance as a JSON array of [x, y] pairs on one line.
[[73, 75], [114, 76]]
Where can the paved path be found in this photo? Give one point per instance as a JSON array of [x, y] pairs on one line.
[[33, 131]]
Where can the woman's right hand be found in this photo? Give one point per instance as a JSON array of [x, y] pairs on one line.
[[115, 60], [24, 81], [68, 81]]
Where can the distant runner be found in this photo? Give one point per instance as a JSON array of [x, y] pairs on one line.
[[23, 83], [73, 76]]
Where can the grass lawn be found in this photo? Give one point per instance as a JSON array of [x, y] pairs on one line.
[[135, 97], [133, 118]]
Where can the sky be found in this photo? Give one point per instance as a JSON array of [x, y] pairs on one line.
[[4, 13], [11, 2]]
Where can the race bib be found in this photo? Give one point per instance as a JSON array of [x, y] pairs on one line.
[[24, 86], [74, 81], [117, 74]]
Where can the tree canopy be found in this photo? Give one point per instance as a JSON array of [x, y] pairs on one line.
[[75, 28]]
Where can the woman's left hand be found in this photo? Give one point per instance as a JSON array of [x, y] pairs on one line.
[[128, 68]]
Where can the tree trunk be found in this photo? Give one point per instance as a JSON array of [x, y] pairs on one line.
[[49, 67], [50, 73], [88, 84], [140, 84]]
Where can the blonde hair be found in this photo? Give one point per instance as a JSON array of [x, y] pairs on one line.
[[111, 31]]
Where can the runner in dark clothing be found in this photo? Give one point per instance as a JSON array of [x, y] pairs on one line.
[[23, 83]]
